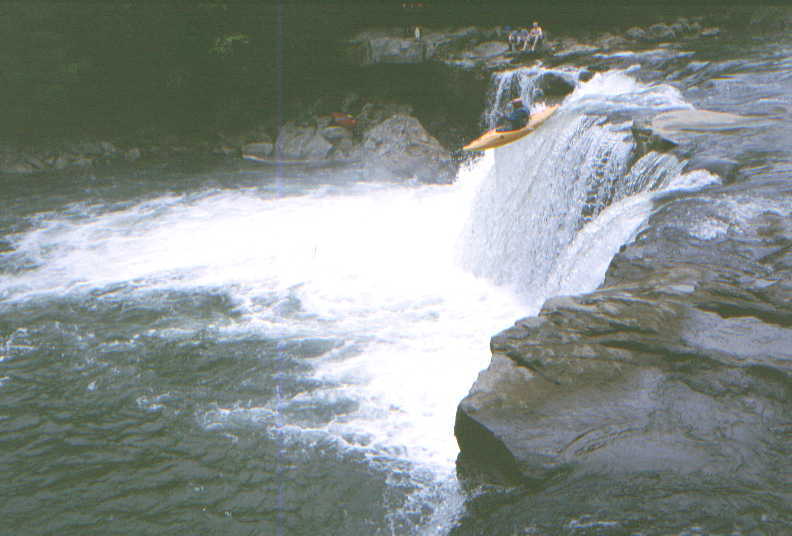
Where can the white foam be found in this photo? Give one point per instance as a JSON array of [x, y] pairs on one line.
[[617, 91], [374, 267]]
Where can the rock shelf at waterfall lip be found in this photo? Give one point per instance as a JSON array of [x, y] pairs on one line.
[[676, 122]]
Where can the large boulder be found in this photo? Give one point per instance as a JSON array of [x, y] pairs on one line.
[[298, 142], [556, 83], [629, 381], [374, 113], [401, 147]]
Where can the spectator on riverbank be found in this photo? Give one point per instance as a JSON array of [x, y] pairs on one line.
[[522, 39], [511, 38], [534, 36]]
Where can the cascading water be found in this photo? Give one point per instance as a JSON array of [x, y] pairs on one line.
[[550, 188], [341, 319], [524, 83]]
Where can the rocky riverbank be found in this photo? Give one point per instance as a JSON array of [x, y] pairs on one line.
[[673, 380], [460, 57]]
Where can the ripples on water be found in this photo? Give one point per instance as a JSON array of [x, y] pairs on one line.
[[233, 352]]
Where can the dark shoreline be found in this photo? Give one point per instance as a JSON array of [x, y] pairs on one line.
[[74, 71], [445, 99]]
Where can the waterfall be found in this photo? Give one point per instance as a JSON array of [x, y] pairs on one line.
[[524, 83], [579, 172]]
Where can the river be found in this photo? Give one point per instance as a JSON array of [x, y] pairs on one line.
[[203, 348]]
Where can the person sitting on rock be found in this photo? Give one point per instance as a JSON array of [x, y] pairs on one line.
[[522, 39], [513, 41], [517, 118], [534, 36]]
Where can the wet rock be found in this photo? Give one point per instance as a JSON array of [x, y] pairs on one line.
[[723, 167], [489, 49], [671, 382], [401, 147], [259, 148], [574, 50], [374, 113], [133, 154], [631, 381], [660, 32], [683, 128], [611, 42], [676, 124], [636, 34], [556, 84], [462, 47], [62, 161], [647, 139], [334, 134], [387, 49], [37, 163], [346, 149], [296, 142]]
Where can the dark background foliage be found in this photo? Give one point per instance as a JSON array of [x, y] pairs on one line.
[[198, 65]]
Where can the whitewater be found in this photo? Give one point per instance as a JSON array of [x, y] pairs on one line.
[[321, 319]]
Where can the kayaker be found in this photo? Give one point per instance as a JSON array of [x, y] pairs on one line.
[[517, 118]]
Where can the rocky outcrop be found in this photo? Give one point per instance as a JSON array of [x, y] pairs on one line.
[[632, 380], [373, 114], [390, 47], [670, 383], [684, 130], [487, 48], [676, 124], [401, 147], [386, 140], [296, 142]]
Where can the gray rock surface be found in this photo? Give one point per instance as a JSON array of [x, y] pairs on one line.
[[296, 142], [401, 147], [489, 48], [259, 148], [669, 384]]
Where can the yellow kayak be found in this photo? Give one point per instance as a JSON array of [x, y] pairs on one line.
[[493, 138]]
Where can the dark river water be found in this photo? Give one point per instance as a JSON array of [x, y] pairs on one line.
[[197, 348]]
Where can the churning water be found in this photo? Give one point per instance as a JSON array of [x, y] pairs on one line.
[[269, 354]]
